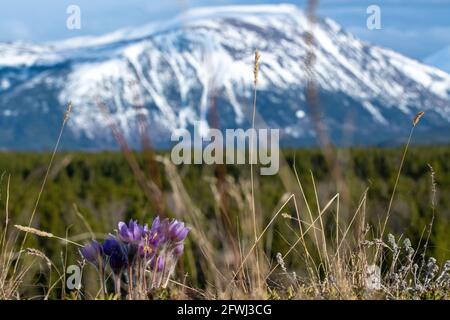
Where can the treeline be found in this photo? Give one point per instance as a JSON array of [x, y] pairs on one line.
[[95, 190]]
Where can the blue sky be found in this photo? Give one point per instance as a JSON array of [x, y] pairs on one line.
[[416, 28]]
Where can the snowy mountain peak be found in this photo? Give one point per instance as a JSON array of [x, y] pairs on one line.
[[173, 72]]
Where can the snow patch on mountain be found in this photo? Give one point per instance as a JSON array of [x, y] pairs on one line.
[[24, 54]]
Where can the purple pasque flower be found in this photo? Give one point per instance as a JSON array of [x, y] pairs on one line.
[[177, 232], [148, 246], [117, 253], [93, 253], [158, 231], [169, 231], [164, 239], [156, 224], [131, 233]]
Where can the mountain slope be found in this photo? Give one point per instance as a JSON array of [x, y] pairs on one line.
[[177, 70]]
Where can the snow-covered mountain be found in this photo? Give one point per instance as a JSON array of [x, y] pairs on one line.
[[177, 70], [440, 59]]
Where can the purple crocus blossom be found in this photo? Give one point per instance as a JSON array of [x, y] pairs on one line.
[[158, 231], [149, 245], [93, 253], [117, 253], [133, 232], [136, 245], [169, 231], [156, 223], [177, 231]]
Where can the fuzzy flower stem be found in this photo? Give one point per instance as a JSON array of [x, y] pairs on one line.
[[130, 281], [101, 274], [117, 284]]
